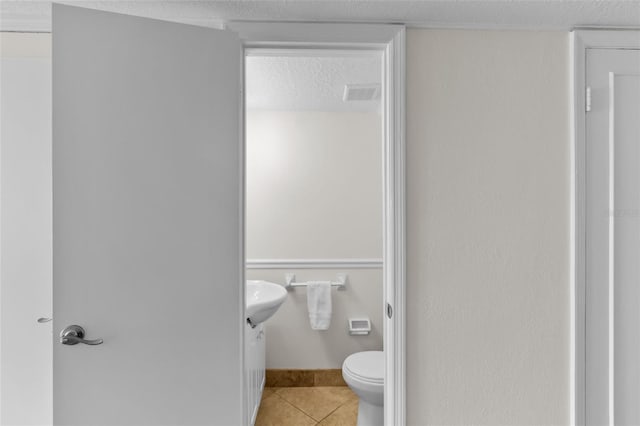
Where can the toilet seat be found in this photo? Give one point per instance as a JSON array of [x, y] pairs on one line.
[[366, 367]]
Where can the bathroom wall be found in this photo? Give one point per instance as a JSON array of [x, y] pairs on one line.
[[25, 230], [290, 341], [488, 174], [314, 191]]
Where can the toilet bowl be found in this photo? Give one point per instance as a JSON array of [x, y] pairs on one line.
[[364, 373]]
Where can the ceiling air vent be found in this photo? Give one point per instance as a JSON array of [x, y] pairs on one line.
[[361, 92]]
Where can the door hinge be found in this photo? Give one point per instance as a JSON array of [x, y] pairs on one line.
[[587, 106]]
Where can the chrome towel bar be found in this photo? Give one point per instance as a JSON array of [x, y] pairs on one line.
[[290, 281]]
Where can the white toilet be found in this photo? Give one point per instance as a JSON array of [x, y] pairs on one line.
[[364, 373]]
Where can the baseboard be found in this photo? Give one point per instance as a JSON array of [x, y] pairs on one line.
[[306, 378]]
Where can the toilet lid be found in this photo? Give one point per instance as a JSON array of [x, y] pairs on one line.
[[368, 366]]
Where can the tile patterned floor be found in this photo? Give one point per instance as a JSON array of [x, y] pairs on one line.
[[302, 406]]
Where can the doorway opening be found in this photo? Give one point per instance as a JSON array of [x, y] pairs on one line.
[[389, 41], [314, 208]]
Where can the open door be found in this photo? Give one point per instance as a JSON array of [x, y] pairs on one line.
[[147, 221]]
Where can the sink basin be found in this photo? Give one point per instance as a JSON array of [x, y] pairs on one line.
[[263, 300]]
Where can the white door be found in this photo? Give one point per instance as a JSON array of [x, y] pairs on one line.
[[613, 238], [147, 222]]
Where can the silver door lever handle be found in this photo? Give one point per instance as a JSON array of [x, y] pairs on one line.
[[74, 334], [43, 320]]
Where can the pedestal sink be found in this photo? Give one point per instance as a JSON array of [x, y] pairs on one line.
[[263, 300]]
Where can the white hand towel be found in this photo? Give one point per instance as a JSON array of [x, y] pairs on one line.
[[319, 304]]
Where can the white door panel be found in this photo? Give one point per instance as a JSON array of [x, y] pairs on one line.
[[147, 222], [613, 238]]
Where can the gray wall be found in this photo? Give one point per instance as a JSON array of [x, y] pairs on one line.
[[488, 227]]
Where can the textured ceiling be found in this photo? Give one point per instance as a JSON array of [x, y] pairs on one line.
[[309, 82], [499, 14]]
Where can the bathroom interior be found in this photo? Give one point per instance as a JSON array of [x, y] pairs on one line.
[[314, 227]]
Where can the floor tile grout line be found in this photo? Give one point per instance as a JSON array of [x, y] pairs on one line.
[[265, 398], [297, 408], [278, 389], [300, 409], [308, 414], [335, 409]]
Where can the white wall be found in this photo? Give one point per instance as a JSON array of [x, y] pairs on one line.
[[488, 227], [314, 191], [291, 343], [488, 231], [25, 242], [314, 185]]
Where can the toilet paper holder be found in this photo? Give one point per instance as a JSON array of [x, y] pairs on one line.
[[359, 326]]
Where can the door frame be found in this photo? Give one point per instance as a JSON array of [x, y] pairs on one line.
[[390, 40], [581, 41]]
